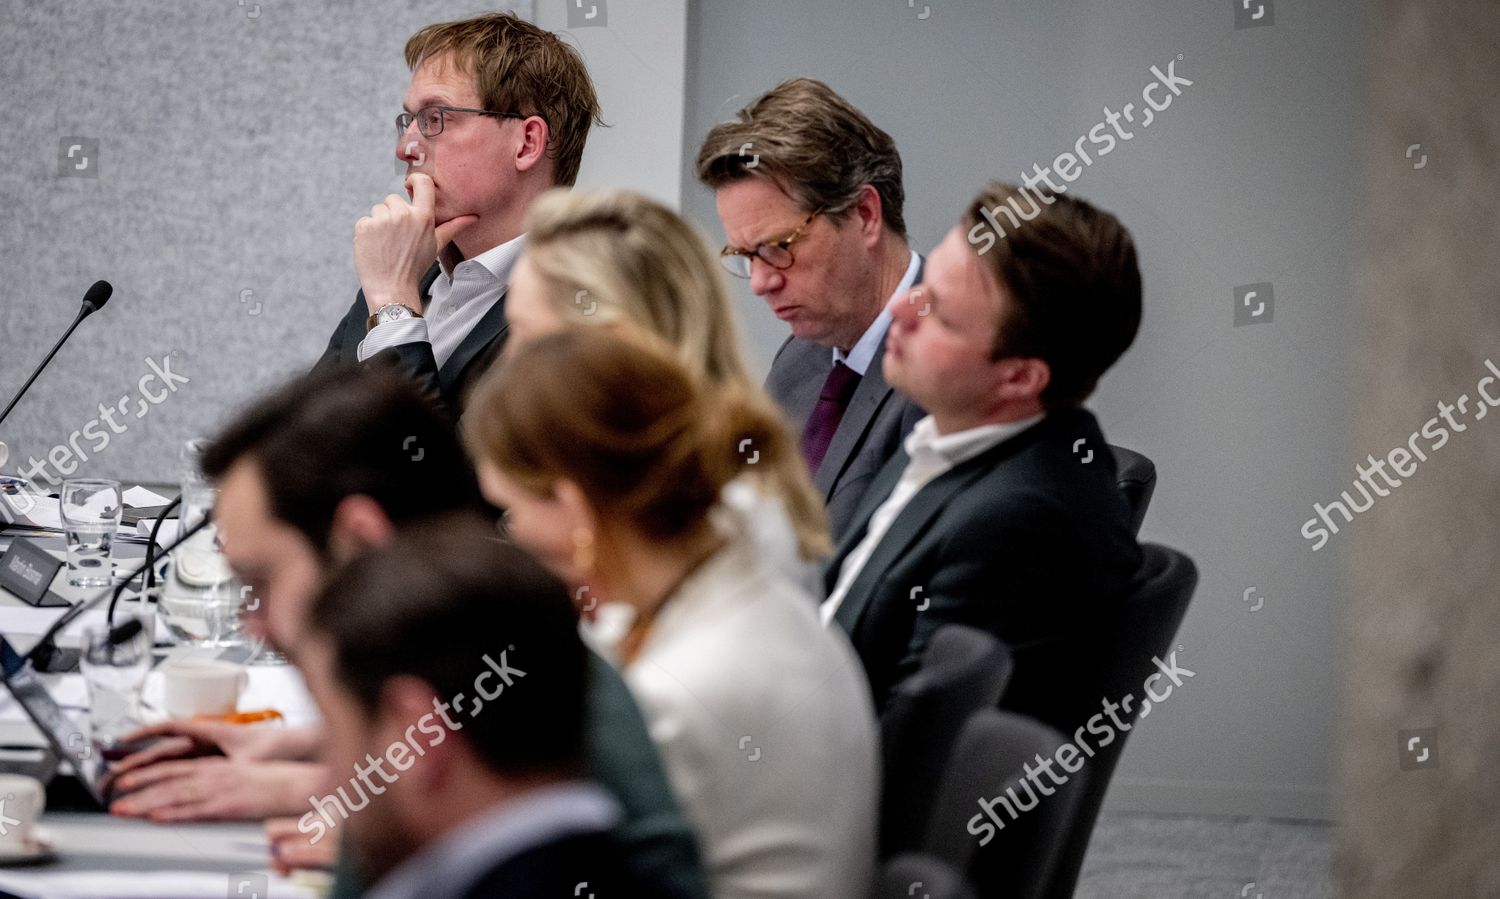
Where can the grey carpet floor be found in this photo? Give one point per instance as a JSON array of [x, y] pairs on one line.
[[1137, 856]]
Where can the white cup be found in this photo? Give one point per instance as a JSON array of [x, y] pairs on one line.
[[24, 798], [202, 687]]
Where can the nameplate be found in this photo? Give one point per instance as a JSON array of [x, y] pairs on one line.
[[27, 571]]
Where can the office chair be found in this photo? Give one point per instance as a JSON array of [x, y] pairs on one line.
[[963, 669], [1142, 628], [1137, 477], [1025, 838], [913, 875]]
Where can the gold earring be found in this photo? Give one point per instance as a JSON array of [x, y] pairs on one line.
[[583, 550]]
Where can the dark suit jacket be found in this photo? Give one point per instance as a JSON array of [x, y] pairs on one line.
[[451, 384], [1025, 541], [871, 431], [580, 865]]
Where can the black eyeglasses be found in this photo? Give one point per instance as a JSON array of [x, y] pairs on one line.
[[429, 119], [777, 254]]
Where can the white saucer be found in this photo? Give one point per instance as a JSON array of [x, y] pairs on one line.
[[35, 851]]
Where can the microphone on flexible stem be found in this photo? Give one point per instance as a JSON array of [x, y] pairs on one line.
[[41, 655], [93, 301]]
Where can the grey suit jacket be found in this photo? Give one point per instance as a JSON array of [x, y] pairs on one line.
[[871, 431]]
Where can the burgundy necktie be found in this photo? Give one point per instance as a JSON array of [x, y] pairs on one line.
[[825, 417]]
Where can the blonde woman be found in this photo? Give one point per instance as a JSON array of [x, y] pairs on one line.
[[619, 259], [610, 457]]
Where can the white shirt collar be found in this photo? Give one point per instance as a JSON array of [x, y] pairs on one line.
[[863, 352], [960, 446], [498, 260]]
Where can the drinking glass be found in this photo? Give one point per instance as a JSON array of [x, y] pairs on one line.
[[90, 511], [115, 661]]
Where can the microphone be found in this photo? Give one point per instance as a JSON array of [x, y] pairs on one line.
[[93, 301], [98, 294], [41, 655]]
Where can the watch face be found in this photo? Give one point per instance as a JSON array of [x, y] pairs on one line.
[[391, 313]]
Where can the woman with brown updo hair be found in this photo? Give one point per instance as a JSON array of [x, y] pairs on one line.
[[610, 457]]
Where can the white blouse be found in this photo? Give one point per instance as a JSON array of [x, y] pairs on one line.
[[766, 726]]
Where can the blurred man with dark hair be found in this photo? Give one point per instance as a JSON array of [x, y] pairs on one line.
[[461, 681], [1002, 511], [809, 191], [332, 465]]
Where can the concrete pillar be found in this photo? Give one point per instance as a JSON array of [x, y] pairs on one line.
[[1420, 760]]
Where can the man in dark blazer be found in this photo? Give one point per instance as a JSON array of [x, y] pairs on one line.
[[497, 113], [810, 195], [1002, 510]]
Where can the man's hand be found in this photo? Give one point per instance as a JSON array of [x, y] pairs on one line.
[[292, 849], [194, 739], [398, 242], [216, 789]]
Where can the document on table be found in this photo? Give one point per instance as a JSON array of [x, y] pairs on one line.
[[42, 884], [42, 512]]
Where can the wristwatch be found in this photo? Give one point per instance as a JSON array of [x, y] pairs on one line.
[[390, 312]]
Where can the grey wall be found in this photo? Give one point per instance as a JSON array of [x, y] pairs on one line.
[[238, 143], [1249, 176], [237, 152]]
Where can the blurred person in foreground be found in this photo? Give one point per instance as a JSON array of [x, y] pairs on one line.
[[462, 683], [613, 478], [331, 465]]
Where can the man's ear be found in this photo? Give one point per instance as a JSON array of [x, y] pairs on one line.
[[531, 151], [359, 523], [870, 215], [1019, 379], [414, 717]]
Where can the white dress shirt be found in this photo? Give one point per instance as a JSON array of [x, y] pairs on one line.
[[931, 455], [767, 730], [456, 862], [460, 298], [863, 352]]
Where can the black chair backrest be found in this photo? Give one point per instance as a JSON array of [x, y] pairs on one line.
[[1137, 477], [1143, 629], [1009, 845], [963, 669], [913, 875]]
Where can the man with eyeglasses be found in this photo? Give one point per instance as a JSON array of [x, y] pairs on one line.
[[809, 192], [497, 112]]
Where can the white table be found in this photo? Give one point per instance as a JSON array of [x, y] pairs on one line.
[[96, 850], [99, 855]]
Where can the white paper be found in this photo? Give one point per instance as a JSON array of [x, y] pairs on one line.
[[139, 496], [46, 512], [44, 884], [169, 530], [70, 691]]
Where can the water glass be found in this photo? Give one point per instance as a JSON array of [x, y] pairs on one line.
[[90, 510], [115, 662]]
